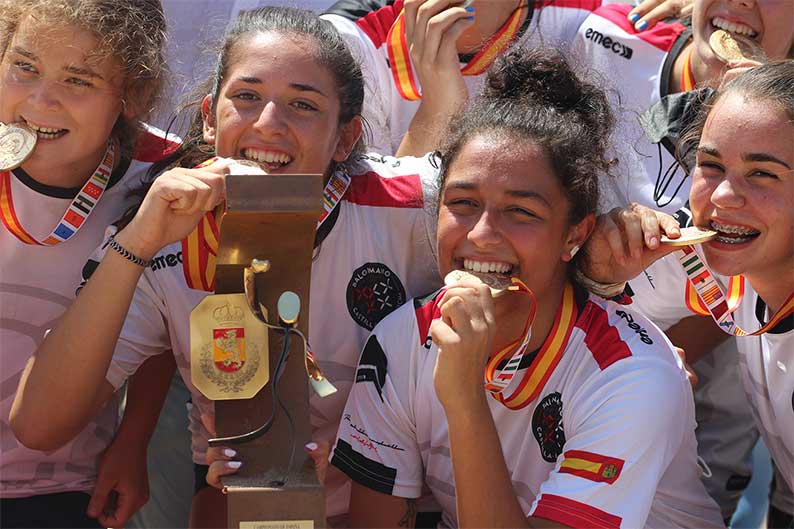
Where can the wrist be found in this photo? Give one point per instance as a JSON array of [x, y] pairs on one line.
[[134, 244], [604, 290]]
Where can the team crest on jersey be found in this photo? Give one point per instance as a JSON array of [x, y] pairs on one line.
[[373, 292], [547, 427]]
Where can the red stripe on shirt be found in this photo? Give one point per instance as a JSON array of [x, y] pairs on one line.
[[371, 189], [574, 514], [377, 24], [662, 36], [151, 148], [601, 338], [588, 5], [426, 313]]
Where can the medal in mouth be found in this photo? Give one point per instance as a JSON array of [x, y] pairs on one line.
[[498, 283], [689, 236], [17, 142], [734, 47]]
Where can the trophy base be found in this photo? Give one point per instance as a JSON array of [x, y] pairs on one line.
[[258, 502]]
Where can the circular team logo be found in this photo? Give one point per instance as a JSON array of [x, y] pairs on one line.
[[373, 292], [547, 426]]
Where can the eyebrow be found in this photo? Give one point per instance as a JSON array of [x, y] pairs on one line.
[[295, 86], [749, 157], [77, 70], [24, 53], [517, 193]]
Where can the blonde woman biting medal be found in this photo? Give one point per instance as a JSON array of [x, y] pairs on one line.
[[743, 189]]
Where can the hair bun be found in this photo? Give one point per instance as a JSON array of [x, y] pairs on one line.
[[537, 74]]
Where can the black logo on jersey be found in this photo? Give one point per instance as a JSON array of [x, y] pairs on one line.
[[636, 327], [547, 427], [373, 293], [372, 365], [168, 260], [610, 44]]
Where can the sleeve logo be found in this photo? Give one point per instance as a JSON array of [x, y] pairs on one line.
[[589, 465]]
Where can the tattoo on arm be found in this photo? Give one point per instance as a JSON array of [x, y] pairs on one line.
[[409, 518]]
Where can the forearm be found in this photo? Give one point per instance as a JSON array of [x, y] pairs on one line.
[[697, 336], [427, 128], [146, 393], [71, 363], [485, 495]]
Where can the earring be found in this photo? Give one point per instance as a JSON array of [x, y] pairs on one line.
[[574, 250]]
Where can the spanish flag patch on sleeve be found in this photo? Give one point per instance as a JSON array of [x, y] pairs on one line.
[[594, 467]]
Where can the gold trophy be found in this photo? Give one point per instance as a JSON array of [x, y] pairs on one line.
[[250, 353]]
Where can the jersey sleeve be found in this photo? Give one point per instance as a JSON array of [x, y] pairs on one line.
[[377, 92], [625, 426], [144, 332], [376, 444]]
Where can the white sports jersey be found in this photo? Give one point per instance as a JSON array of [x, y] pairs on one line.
[[364, 24], [608, 442], [635, 68], [37, 285], [377, 251]]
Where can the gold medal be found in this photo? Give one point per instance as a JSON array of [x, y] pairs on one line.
[[17, 142], [498, 285], [728, 47], [689, 236], [228, 348]]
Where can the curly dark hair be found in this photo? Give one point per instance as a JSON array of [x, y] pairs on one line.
[[133, 32], [536, 96]]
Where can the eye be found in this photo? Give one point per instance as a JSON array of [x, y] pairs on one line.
[[25, 66], [245, 96], [77, 81], [763, 174], [708, 166], [303, 105], [523, 213]]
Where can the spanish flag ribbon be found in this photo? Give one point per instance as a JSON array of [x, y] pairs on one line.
[[588, 465], [400, 57], [200, 247], [687, 77], [705, 296], [497, 380], [76, 214]]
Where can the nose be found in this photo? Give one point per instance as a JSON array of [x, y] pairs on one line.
[[727, 195], [43, 96], [486, 231], [270, 119]]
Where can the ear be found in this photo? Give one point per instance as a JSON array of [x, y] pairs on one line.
[[209, 119], [577, 235], [349, 135]]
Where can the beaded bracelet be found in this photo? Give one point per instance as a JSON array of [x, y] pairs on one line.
[[128, 255], [604, 290]]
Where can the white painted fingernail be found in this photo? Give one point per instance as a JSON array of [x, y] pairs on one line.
[[311, 447], [234, 464], [228, 452]]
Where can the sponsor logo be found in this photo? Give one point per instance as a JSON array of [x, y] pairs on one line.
[[373, 292], [166, 261], [609, 43], [635, 326], [547, 427], [365, 440]]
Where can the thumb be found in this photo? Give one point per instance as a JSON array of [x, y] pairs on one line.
[[651, 256], [99, 497], [208, 421]]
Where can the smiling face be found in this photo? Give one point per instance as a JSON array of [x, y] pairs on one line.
[[279, 107], [766, 22], [743, 186], [504, 212], [52, 79]]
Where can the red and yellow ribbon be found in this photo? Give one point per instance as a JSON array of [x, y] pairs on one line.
[[543, 365], [400, 57]]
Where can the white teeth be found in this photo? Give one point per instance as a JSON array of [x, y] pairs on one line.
[[728, 228], [732, 27], [267, 156], [486, 266], [45, 132]]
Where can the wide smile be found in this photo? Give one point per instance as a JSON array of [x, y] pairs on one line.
[[270, 160], [735, 28], [495, 274], [44, 132], [733, 234]]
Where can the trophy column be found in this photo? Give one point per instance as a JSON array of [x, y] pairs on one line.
[[270, 221]]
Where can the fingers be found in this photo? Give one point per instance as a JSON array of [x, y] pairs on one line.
[[647, 13], [99, 497], [209, 423], [432, 28], [190, 191], [736, 68], [220, 464], [690, 373], [467, 307], [126, 505], [319, 452]]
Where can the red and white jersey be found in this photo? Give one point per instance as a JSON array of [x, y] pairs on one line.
[[764, 361], [608, 441], [373, 252], [36, 286], [365, 24], [635, 69]]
